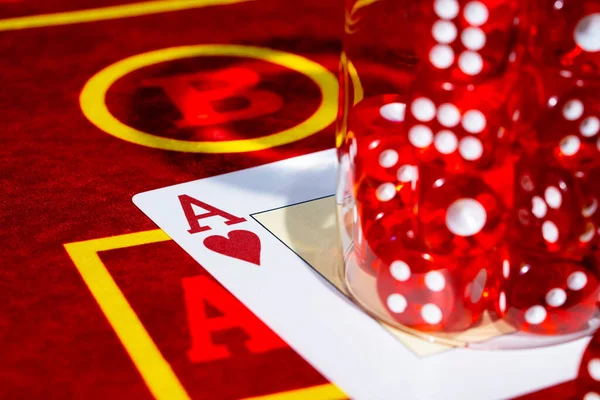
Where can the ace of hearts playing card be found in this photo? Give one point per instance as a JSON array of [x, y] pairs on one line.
[[220, 222]]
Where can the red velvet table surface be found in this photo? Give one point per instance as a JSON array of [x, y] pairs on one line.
[[64, 180]]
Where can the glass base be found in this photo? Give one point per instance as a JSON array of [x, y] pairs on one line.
[[488, 334]]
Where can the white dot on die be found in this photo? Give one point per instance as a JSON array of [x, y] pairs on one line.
[[516, 115], [446, 9], [393, 111], [465, 217], [400, 270], [444, 31], [535, 315], [556, 297], [576, 281], [538, 207], [566, 74], [448, 115], [445, 142], [441, 56], [553, 197], [502, 302], [385, 191], [527, 183], [474, 121], [420, 136], [549, 232], [478, 286], [431, 314], [470, 62], [590, 126], [573, 110], [476, 13], [435, 281], [388, 158], [505, 269], [591, 396], [423, 109], [589, 233], [407, 173], [397, 303], [570, 145], [587, 33], [470, 148], [590, 210], [593, 368], [473, 38]]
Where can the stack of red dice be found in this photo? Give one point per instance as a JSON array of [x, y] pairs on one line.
[[478, 191]]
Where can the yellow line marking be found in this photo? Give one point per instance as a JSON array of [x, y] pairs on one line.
[[322, 392], [155, 370], [358, 89], [348, 70], [106, 13], [93, 98], [350, 16]]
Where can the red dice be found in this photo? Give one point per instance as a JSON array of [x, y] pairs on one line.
[[570, 128], [477, 190], [418, 294], [552, 213], [462, 128], [385, 176], [568, 36], [460, 214], [549, 296], [466, 40]]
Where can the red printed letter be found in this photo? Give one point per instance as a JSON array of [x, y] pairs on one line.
[[208, 98], [201, 289], [194, 219]]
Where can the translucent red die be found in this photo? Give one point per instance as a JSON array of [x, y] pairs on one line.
[[418, 294], [463, 128], [465, 40], [552, 211], [570, 127], [549, 296], [460, 214], [567, 35]]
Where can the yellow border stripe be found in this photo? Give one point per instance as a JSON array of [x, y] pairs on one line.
[[122, 241], [155, 370], [323, 392], [106, 13]]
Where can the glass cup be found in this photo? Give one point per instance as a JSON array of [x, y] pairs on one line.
[[469, 162]]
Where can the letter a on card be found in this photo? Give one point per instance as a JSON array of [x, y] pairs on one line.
[[187, 203]]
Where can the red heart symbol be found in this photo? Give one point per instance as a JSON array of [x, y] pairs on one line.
[[243, 245]]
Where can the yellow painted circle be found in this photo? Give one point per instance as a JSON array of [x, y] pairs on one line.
[[93, 98]]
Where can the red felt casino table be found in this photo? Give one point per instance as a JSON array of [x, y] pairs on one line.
[[101, 100]]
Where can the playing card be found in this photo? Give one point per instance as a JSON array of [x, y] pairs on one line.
[[220, 221]]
